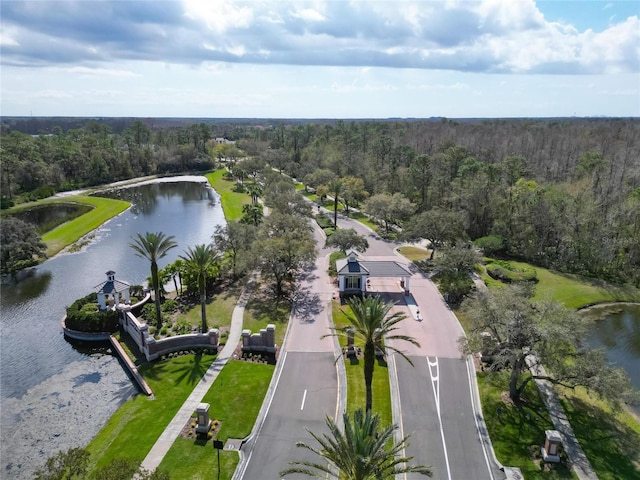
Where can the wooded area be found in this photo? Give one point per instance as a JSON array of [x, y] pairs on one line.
[[560, 193]]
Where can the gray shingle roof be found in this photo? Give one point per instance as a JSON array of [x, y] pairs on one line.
[[372, 268]]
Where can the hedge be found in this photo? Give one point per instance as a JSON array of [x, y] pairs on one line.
[[84, 316], [504, 272]]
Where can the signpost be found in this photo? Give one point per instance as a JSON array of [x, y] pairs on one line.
[[218, 445]]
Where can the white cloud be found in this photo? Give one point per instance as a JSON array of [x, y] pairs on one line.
[[218, 15], [309, 15], [103, 72]]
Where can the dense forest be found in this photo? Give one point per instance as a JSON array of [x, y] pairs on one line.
[[560, 193]]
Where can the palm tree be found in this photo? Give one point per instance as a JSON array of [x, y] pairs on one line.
[[371, 323], [362, 452], [201, 258], [335, 188], [252, 213], [255, 190], [154, 246]]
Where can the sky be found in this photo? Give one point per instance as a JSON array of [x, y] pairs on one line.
[[320, 58]]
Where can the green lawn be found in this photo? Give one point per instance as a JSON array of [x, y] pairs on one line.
[[575, 291], [219, 308], [609, 438], [363, 219], [70, 232], [517, 431], [261, 310], [415, 254], [232, 202], [235, 398], [134, 428]]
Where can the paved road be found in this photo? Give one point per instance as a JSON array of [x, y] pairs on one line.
[[307, 388], [433, 400]]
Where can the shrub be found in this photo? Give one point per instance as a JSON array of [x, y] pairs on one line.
[[505, 272], [170, 305], [323, 220], [6, 203], [454, 285], [149, 313], [83, 315], [490, 244], [332, 262]]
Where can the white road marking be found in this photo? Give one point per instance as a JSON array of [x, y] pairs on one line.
[[304, 397], [475, 417], [435, 384]]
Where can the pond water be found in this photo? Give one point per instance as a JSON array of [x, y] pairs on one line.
[[619, 335], [54, 394]]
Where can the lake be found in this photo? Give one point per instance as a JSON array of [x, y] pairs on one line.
[[619, 335], [54, 394]]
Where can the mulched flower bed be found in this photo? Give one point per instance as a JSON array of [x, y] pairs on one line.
[[189, 429]]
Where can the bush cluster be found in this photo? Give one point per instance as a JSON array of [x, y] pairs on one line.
[[324, 221], [505, 272], [84, 316], [192, 351]]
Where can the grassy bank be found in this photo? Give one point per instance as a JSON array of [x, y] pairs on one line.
[[575, 291], [102, 209], [232, 202], [136, 425], [68, 233]]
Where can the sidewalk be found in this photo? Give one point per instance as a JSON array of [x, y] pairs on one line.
[[577, 458], [166, 439]]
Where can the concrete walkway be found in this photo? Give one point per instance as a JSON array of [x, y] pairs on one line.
[[166, 439], [577, 458]]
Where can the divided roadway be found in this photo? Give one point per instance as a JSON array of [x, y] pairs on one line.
[[435, 400]]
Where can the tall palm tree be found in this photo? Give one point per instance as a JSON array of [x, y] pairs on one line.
[[371, 324], [362, 452], [255, 190], [153, 246], [201, 258], [335, 188]]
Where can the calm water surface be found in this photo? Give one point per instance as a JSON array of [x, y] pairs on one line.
[[619, 335], [56, 395]]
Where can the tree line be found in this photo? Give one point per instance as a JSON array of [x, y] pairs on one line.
[[560, 193]]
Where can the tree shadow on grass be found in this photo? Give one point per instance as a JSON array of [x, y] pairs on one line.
[[193, 370], [263, 304], [611, 446]]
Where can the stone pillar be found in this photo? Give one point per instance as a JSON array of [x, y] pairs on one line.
[[246, 339], [203, 421], [270, 338], [351, 350], [551, 449], [214, 335]]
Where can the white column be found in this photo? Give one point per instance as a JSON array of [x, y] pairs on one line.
[[406, 284]]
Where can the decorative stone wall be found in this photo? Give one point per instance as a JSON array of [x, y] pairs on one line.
[[153, 349], [260, 342]]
